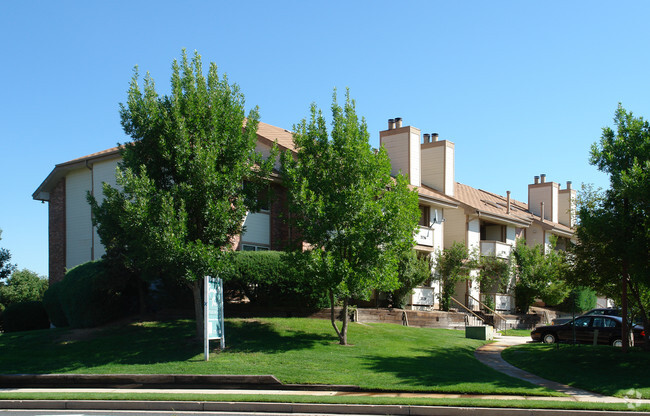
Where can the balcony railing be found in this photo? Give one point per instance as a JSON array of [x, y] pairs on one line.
[[424, 236], [495, 248]]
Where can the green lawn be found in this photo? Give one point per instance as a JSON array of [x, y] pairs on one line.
[[295, 350], [516, 332], [601, 369]]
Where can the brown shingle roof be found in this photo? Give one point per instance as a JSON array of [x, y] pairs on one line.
[[493, 204]]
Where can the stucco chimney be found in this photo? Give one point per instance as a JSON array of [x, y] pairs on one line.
[[403, 147]]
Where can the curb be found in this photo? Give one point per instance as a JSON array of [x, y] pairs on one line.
[[177, 381], [309, 408]]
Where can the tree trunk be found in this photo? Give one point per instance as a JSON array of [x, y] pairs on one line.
[[343, 332], [196, 286]]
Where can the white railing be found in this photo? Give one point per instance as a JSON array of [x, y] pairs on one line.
[[424, 236], [495, 248]]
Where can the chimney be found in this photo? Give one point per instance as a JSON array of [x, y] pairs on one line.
[[403, 147], [427, 138], [541, 216], [547, 192], [543, 178], [508, 202], [567, 205], [536, 180], [434, 137]]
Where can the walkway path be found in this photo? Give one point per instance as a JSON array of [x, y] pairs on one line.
[[490, 355]]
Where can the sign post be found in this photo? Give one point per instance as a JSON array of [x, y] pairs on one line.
[[212, 313]]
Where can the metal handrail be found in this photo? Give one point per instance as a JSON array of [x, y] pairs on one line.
[[468, 310], [491, 310]]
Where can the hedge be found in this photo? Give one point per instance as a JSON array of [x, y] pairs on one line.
[[25, 316]]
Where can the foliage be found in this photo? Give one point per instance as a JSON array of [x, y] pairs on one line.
[[453, 265], [271, 279], [23, 286], [53, 306], [355, 216], [24, 316], [539, 275], [6, 268], [89, 296], [612, 254], [181, 199], [495, 274], [413, 271], [580, 299]]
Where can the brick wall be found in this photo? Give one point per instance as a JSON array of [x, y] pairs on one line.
[[57, 236]]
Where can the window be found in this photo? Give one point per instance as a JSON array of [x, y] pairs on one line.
[[602, 322], [582, 322], [424, 216], [250, 247]]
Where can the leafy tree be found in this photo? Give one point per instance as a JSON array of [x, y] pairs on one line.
[[539, 275], [6, 268], [453, 265], [23, 286], [413, 271], [356, 218], [614, 226], [181, 200]]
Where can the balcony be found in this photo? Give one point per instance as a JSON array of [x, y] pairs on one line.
[[495, 248], [424, 236]]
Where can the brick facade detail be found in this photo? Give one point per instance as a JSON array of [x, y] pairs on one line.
[[57, 235]]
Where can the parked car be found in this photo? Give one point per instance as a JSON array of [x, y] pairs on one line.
[[597, 311], [608, 327]]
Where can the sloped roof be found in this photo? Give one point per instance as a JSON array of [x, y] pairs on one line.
[[266, 133], [496, 206]]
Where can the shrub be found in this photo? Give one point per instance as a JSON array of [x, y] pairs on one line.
[[90, 295], [25, 316], [580, 299], [412, 272], [53, 306], [272, 278]]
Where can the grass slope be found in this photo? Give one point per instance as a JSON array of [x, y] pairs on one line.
[[388, 357], [602, 369]]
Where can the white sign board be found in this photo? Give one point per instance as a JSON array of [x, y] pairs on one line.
[[212, 313]]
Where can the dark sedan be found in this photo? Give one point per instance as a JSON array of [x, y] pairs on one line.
[[605, 328]]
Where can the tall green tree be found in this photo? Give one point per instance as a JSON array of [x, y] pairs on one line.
[[453, 265], [6, 268], [181, 196], [614, 226], [356, 218]]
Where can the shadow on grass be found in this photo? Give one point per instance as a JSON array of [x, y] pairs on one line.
[[444, 367], [255, 336], [66, 350]]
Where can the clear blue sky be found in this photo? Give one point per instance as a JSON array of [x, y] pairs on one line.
[[521, 87]]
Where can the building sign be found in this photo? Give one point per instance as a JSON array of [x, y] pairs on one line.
[[212, 313]]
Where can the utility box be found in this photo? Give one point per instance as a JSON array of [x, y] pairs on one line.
[[484, 333]]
